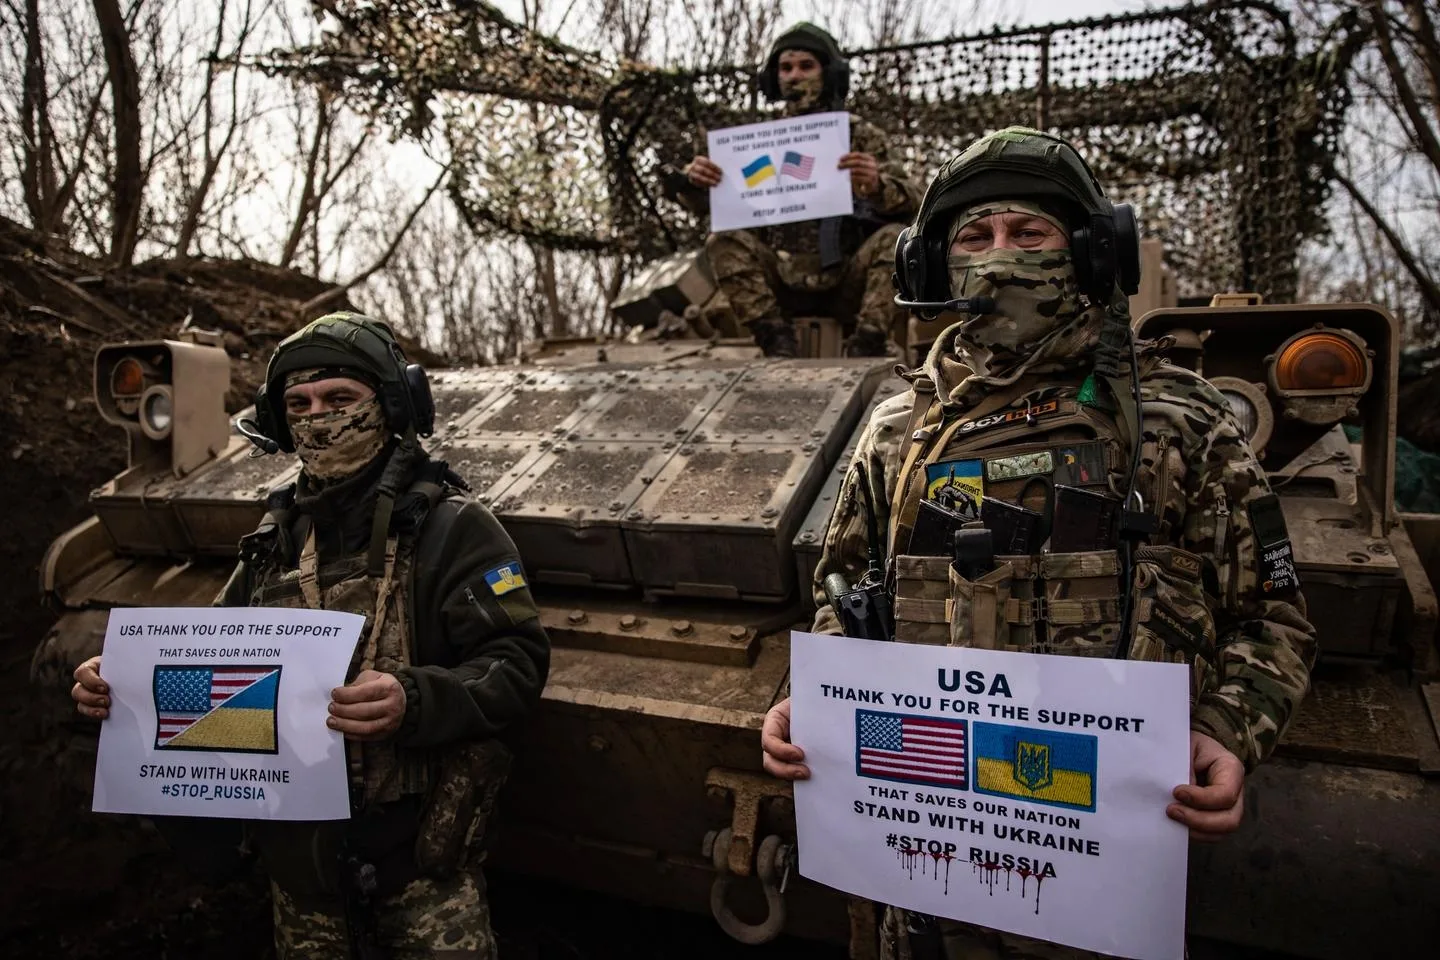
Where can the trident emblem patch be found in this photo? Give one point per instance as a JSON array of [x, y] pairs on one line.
[[1032, 765]]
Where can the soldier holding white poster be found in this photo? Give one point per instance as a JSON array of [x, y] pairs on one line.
[[427, 700], [1048, 488], [804, 210]]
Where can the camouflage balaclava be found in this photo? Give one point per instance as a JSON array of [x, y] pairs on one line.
[[1038, 315], [809, 94], [802, 94], [338, 443]]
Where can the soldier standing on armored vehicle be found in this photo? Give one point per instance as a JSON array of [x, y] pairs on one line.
[[451, 662], [1124, 513], [839, 266]]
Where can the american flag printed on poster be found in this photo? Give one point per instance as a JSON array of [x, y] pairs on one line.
[[186, 694], [910, 749], [797, 165]]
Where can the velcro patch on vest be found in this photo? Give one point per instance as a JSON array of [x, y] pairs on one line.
[[1274, 557], [504, 578], [1033, 412], [955, 485], [1081, 464], [1038, 463]]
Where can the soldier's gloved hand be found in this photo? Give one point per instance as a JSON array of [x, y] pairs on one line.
[[370, 707], [781, 757], [864, 172], [90, 693], [704, 172], [1213, 803]]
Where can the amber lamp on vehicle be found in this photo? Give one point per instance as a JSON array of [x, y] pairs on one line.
[[1321, 361], [1319, 374], [127, 383]]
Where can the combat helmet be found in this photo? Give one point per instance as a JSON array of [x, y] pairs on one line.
[[812, 39], [1022, 163], [349, 341]]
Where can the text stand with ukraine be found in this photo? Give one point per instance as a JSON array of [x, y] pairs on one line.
[[1021, 792]]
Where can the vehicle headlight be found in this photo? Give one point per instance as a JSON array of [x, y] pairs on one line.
[[1251, 409], [157, 412]]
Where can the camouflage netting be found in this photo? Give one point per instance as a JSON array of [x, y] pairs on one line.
[[1210, 120]]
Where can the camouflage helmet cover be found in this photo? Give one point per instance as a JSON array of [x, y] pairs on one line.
[[812, 39], [343, 339], [1017, 163]]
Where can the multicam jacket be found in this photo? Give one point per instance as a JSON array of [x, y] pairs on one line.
[[1201, 481]]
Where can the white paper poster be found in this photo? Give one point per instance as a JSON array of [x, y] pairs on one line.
[[1022, 792], [220, 712], [780, 171]]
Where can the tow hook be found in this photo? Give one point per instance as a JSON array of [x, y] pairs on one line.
[[730, 850]]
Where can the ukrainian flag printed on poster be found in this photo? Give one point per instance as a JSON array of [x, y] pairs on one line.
[[955, 484], [758, 170], [1042, 766], [504, 578]]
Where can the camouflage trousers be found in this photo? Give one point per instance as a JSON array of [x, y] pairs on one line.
[[429, 920], [764, 286], [966, 941]]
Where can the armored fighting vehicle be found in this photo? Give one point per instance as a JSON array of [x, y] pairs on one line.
[[669, 498]]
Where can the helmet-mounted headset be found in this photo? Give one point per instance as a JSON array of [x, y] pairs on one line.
[[346, 340], [1018, 163]]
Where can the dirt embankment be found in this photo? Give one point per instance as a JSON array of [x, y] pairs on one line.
[[72, 880]]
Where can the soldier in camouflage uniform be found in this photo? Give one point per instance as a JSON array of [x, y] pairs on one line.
[[451, 660], [838, 267], [1025, 393]]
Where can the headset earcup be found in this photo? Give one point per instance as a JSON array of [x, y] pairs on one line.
[[902, 280], [422, 401], [912, 266], [837, 76], [1127, 249], [769, 80], [271, 422]]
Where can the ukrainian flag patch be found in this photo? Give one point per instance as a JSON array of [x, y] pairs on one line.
[[504, 578]]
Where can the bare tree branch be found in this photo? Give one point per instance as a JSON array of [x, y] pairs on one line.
[[1429, 289], [1424, 137], [320, 301]]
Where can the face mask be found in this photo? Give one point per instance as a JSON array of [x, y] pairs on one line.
[[1038, 316], [337, 444], [802, 93]]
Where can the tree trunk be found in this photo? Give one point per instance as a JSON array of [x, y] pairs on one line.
[[558, 317], [37, 175], [129, 186]]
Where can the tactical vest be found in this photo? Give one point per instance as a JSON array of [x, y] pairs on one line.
[[379, 770], [1012, 445], [460, 783]]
